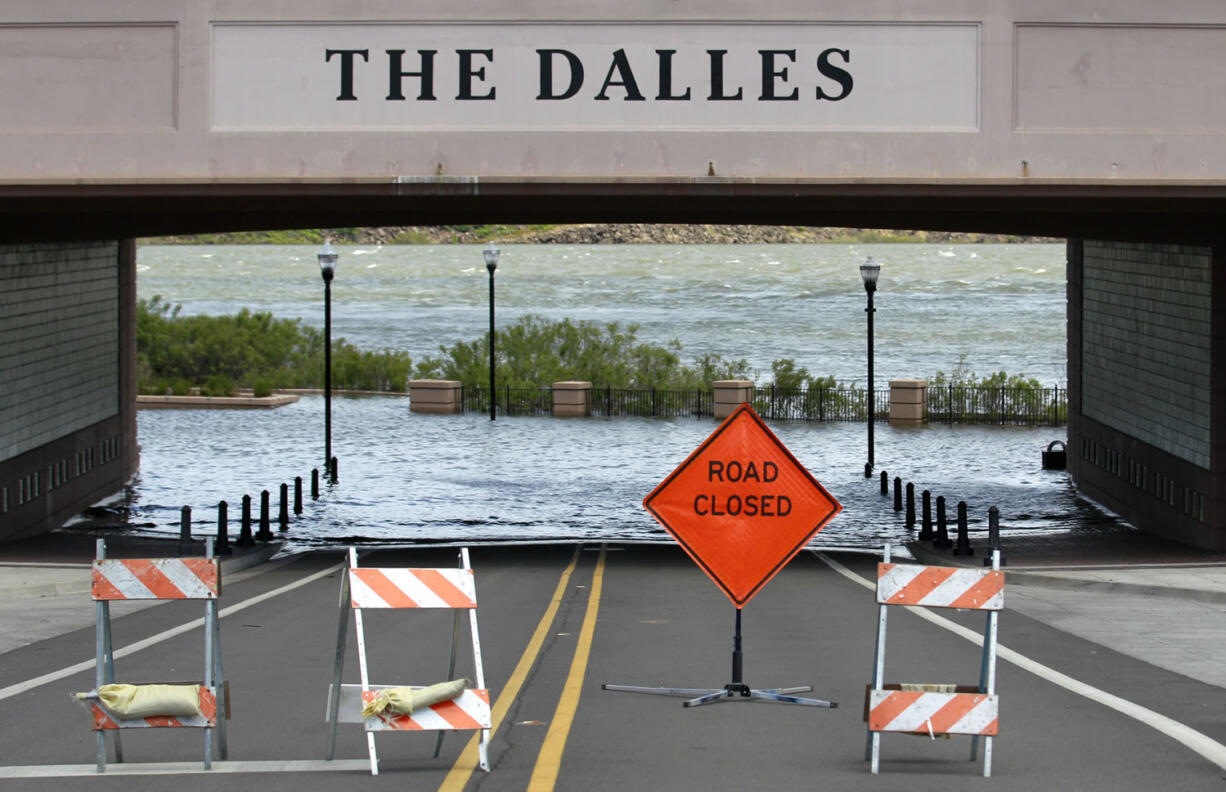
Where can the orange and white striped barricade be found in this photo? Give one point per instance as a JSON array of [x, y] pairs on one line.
[[937, 709], [159, 579], [403, 587]]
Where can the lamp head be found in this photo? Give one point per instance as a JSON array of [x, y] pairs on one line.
[[491, 254], [327, 262], [869, 271]]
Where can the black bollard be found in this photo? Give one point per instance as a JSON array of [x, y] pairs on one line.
[[334, 477], [244, 533], [994, 536], [910, 505], [926, 534], [314, 483], [897, 494], [265, 533], [885, 484], [297, 494], [222, 546], [942, 542], [868, 468], [283, 512], [185, 530], [963, 548]]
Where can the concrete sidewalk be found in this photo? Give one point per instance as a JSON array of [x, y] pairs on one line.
[[45, 580], [1146, 597]]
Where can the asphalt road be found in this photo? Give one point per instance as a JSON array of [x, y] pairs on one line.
[[551, 634]]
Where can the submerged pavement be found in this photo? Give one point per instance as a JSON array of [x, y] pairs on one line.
[[1108, 676]]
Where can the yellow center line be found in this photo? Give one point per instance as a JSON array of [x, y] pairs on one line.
[[549, 760], [466, 762]]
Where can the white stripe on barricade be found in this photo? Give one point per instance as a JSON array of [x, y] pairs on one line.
[[156, 578], [940, 587], [932, 713]]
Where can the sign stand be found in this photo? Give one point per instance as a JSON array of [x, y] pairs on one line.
[[734, 689], [741, 506]]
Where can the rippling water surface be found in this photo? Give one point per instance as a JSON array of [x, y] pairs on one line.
[[417, 478]]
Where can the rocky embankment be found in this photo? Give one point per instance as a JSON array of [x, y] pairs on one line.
[[587, 234], [658, 234]]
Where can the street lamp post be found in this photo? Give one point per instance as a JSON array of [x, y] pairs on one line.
[[491, 254], [327, 268], [869, 271]]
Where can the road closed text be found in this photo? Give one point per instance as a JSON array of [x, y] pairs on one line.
[[757, 504]]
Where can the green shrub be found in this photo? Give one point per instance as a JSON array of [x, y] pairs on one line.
[[261, 387], [218, 385]]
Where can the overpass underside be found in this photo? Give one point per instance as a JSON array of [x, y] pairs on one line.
[[1060, 118]]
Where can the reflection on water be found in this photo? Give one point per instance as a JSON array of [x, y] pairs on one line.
[[408, 477]]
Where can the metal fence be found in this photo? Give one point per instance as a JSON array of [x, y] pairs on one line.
[[946, 403]]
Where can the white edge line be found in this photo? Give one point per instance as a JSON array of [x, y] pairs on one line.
[[1210, 749], [85, 665], [181, 768]]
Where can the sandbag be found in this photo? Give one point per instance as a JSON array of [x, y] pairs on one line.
[[128, 702], [404, 700]]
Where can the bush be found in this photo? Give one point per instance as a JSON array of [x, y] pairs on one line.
[[249, 346], [535, 352], [261, 387], [218, 385]]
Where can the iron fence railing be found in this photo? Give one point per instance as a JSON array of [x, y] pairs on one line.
[[988, 405], [954, 404]]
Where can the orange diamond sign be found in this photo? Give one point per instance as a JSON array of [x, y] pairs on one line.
[[741, 505]]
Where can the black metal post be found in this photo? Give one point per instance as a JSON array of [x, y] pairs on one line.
[[493, 401], [885, 484], [327, 366], [185, 530], [910, 505], [333, 471], [963, 548], [870, 287], [297, 494], [283, 511], [994, 537], [244, 536], [942, 541], [265, 532], [223, 529], [314, 483], [925, 533], [897, 493], [738, 684]]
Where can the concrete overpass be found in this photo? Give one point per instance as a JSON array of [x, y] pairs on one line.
[[1102, 122]]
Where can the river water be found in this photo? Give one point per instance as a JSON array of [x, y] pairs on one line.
[[419, 478]]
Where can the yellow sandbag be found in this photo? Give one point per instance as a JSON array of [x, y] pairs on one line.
[[403, 700], [128, 702]]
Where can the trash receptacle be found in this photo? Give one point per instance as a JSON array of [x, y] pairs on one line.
[[1055, 458]]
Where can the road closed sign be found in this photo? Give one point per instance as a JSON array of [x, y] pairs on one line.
[[741, 505]]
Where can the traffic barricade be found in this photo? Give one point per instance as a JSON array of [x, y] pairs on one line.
[[936, 709], [203, 704], [454, 704]]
